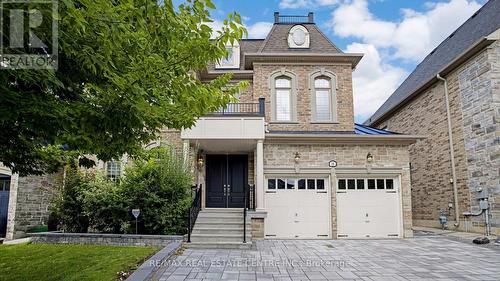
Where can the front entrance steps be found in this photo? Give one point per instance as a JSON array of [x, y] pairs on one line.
[[220, 229]]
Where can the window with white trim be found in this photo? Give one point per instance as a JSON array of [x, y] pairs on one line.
[[283, 104], [113, 170], [323, 86], [323, 99], [232, 60]]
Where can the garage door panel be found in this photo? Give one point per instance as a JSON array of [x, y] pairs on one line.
[[299, 212], [368, 213]]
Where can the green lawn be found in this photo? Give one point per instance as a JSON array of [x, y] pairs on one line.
[[43, 262]]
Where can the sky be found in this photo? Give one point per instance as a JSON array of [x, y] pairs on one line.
[[393, 35]]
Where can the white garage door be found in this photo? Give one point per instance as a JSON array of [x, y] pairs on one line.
[[368, 208], [297, 207]]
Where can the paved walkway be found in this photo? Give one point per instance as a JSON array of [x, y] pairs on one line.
[[423, 258]]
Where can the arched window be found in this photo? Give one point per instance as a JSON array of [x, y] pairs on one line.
[[283, 104], [324, 101]]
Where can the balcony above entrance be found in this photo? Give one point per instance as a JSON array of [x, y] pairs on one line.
[[244, 121]]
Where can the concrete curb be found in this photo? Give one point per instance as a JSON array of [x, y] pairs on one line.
[[146, 270]]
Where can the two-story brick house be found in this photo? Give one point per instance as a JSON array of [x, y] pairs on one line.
[[292, 136]]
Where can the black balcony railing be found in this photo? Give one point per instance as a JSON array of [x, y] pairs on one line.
[[286, 19], [242, 109]]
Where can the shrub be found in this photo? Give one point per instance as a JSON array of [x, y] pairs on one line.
[[158, 184], [104, 206], [160, 187], [68, 206]]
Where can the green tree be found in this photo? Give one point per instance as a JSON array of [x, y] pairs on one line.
[[127, 68]]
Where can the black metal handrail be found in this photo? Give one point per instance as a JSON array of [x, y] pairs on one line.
[[245, 215], [194, 210], [249, 199], [242, 109]]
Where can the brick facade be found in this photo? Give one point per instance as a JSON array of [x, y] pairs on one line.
[[474, 106], [345, 114]]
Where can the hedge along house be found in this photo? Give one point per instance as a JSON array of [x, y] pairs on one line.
[[289, 148], [453, 98]]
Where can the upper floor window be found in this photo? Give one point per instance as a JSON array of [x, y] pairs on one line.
[[283, 91], [298, 37], [322, 99], [324, 103], [113, 170], [232, 60]]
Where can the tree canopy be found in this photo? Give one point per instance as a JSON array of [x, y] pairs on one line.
[[126, 69]]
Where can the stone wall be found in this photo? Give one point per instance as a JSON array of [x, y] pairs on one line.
[[33, 195], [479, 85], [348, 157], [104, 239], [474, 104], [343, 72], [257, 228]]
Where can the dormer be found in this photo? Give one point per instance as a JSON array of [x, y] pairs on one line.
[[232, 61], [298, 37]]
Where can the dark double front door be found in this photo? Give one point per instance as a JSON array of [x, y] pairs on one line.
[[226, 180]]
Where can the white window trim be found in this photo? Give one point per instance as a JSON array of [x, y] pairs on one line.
[[235, 63], [291, 42], [333, 95]]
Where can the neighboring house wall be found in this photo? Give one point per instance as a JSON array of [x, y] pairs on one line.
[[33, 196], [479, 83], [474, 99], [351, 156], [303, 104]]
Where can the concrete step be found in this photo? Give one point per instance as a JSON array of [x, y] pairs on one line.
[[220, 215], [208, 238], [218, 230], [219, 245], [227, 220], [222, 210]]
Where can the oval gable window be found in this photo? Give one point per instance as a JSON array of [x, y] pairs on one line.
[[298, 37]]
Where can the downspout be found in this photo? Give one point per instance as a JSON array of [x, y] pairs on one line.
[[452, 153]]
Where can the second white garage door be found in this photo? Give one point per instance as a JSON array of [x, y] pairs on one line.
[[368, 208], [297, 207]]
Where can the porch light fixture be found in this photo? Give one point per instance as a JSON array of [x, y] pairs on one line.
[[297, 157], [369, 157], [200, 161]]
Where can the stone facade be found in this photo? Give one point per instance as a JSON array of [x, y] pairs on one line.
[[257, 228], [352, 157], [29, 205], [474, 106]]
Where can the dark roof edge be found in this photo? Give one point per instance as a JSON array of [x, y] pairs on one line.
[[352, 58], [464, 56]]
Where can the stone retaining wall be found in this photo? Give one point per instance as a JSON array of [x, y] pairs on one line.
[[104, 239]]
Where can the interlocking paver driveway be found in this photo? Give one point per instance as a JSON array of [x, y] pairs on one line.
[[429, 258]]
